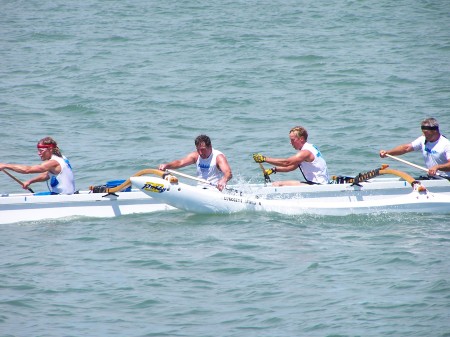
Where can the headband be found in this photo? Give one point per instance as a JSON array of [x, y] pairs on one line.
[[424, 127], [46, 146]]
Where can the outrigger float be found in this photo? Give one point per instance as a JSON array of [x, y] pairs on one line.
[[366, 193], [98, 201]]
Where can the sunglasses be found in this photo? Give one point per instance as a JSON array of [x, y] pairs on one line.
[[429, 128]]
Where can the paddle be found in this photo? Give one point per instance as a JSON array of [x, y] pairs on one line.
[[413, 165], [266, 176], [17, 180], [191, 177], [198, 179]]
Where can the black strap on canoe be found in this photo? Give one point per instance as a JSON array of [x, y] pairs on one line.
[[365, 176]]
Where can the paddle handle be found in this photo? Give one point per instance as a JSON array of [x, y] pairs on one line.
[[15, 179], [266, 176]]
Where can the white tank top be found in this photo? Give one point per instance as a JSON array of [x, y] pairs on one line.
[[207, 168], [315, 171], [434, 153], [64, 182]]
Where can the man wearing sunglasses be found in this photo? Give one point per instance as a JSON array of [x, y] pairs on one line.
[[434, 146], [55, 169]]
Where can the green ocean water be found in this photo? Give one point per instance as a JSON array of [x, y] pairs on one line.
[[124, 86]]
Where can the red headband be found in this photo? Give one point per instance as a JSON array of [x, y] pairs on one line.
[[46, 146]]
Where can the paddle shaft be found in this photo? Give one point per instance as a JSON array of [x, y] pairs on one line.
[[17, 180], [266, 176], [262, 168], [199, 180], [412, 164], [191, 177], [408, 163]]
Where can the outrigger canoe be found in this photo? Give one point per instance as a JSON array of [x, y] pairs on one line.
[[98, 201], [366, 193]]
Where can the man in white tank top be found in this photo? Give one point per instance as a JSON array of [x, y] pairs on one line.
[[308, 159], [435, 148], [55, 167], [212, 165]]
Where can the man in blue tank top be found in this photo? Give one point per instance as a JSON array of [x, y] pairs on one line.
[[212, 165]]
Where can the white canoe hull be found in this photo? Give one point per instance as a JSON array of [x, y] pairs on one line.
[[28, 207], [377, 196]]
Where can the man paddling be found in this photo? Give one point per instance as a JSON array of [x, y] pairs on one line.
[[212, 165], [434, 146], [308, 159], [55, 168]]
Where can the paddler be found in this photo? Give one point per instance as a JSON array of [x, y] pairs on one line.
[[212, 165], [55, 169], [434, 146], [308, 159]]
